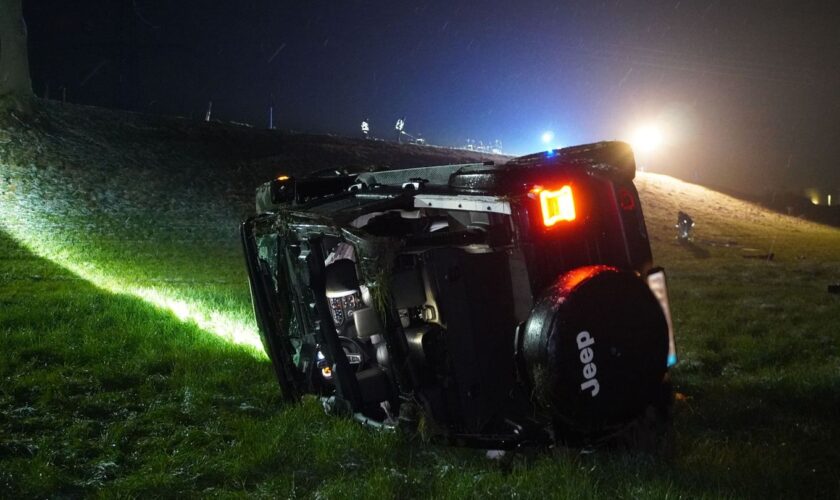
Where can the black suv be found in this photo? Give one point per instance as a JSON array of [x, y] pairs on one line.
[[501, 305]]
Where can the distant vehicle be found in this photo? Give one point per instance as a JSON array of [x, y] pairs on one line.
[[501, 305]]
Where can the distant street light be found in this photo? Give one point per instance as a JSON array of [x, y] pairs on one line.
[[646, 139], [547, 137], [400, 125]]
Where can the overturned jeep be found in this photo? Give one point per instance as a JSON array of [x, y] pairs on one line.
[[492, 305]]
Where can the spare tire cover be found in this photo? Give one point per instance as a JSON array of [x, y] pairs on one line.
[[595, 348]]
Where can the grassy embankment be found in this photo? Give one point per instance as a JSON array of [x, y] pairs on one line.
[[119, 261]]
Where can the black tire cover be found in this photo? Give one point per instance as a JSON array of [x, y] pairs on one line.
[[596, 348]]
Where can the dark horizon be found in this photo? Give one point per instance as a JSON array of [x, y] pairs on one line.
[[744, 95]]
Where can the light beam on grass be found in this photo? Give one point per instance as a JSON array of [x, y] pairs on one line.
[[211, 320]]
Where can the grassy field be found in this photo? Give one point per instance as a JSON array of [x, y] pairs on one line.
[[127, 365]]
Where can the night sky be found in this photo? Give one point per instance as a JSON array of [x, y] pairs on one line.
[[745, 93]]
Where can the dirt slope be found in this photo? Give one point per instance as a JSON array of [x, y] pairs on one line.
[[114, 172], [105, 170], [728, 227], [80, 160]]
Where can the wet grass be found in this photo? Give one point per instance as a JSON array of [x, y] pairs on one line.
[[103, 393]]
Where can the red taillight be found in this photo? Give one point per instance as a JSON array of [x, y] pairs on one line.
[[556, 205]]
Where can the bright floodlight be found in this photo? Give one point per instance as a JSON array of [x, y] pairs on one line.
[[547, 136], [646, 138]]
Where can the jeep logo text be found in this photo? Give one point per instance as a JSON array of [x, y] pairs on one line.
[[584, 340]]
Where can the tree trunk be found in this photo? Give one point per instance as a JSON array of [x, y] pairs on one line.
[[15, 82]]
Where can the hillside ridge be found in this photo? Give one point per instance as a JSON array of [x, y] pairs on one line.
[[82, 161]]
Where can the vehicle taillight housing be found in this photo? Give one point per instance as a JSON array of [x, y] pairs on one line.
[[556, 205]]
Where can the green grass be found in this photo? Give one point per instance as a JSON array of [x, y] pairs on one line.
[[107, 392], [104, 394]]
